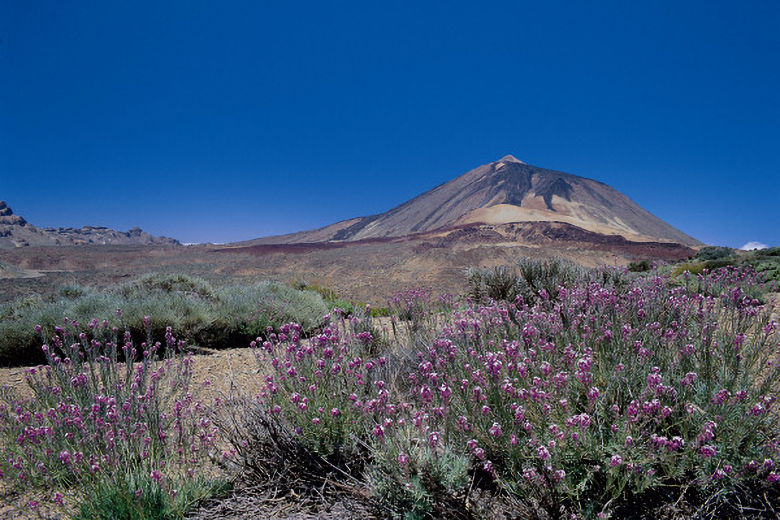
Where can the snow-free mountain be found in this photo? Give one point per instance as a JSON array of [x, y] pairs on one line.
[[503, 192]]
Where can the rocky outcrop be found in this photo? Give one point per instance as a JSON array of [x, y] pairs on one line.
[[7, 217], [15, 231]]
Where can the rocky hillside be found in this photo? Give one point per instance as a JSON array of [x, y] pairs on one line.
[[15, 231], [502, 192]]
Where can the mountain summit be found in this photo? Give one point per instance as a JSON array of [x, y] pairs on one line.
[[503, 192]]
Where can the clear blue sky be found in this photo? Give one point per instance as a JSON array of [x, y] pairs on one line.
[[222, 121]]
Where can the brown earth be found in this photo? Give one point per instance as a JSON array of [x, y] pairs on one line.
[[370, 270]]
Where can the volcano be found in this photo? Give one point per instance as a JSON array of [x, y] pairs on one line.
[[503, 192]]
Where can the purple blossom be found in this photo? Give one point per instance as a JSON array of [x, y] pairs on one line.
[[543, 453], [708, 451], [403, 459]]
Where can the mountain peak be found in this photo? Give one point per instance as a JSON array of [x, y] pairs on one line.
[[509, 159]]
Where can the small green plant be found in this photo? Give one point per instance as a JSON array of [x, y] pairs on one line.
[[499, 283], [134, 496], [694, 268], [420, 481], [380, 312], [640, 266], [543, 277]]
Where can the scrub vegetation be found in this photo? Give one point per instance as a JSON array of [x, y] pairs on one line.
[[548, 391], [208, 317]]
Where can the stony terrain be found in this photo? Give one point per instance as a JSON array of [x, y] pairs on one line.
[[367, 270], [15, 231]]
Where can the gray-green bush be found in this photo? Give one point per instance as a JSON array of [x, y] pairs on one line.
[[229, 316], [496, 283]]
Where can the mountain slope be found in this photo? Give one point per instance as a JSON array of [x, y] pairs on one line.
[[502, 192], [15, 231]]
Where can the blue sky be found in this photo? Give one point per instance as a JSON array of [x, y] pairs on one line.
[[222, 121]]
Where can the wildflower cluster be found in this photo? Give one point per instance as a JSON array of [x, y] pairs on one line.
[[733, 284], [590, 392], [102, 407], [324, 385]]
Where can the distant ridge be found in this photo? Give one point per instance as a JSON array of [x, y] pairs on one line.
[[15, 231], [503, 192]]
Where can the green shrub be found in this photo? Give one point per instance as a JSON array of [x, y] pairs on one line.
[[249, 310], [72, 292], [19, 343], [768, 252], [640, 266], [429, 485], [332, 299], [766, 261], [499, 283], [769, 270], [135, 496], [718, 263], [547, 276], [693, 268], [167, 283], [380, 312], [714, 253]]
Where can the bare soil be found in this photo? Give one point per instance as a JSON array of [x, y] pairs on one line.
[[369, 270]]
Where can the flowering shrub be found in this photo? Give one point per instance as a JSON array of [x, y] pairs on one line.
[[104, 410], [732, 284], [607, 388], [323, 385], [412, 305]]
